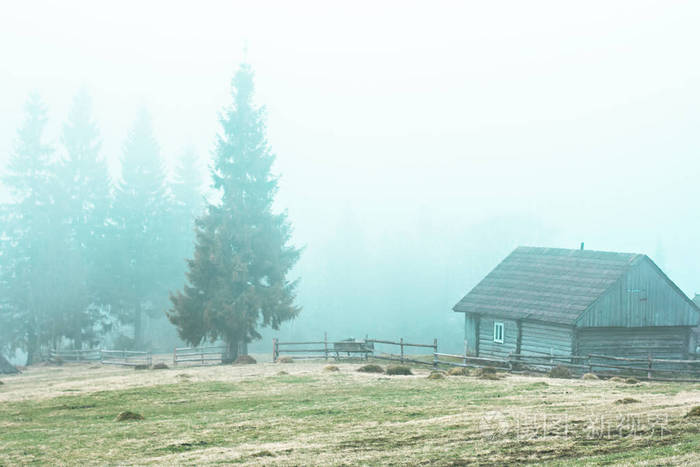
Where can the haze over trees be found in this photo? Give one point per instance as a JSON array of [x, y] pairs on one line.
[[88, 258], [83, 258]]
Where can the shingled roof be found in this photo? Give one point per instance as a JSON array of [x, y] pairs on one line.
[[547, 284]]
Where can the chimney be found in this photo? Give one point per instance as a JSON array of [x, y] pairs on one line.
[[581, 246]]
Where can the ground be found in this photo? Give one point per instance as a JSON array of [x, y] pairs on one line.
[[256, 414]]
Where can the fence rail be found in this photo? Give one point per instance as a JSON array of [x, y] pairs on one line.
[[650, 369], [126, 357], [198, 356], [402, 357], [91, 355], [350, 348]]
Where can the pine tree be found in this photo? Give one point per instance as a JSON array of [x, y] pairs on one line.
[[28, 270], [187, 190], [139, 246], [84, 186], [236, 281]]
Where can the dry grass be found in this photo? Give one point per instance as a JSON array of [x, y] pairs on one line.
[[252, 415], [331, 368], [590, 377]]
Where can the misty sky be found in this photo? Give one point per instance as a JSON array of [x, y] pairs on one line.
[[428, 128]]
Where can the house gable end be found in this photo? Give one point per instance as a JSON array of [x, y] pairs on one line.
[[643, 297]]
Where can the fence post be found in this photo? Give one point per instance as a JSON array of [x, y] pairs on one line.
[[325, 345], [590, 365], [202, 350], [465, 351], [174, 356], [275, 350], [649, 368], [401, 344], [435, 357]]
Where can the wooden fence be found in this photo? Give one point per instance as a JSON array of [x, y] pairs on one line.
[[349, 348], [126, 357], [652, 369], [402, 356], [198, 356], [59, 356]]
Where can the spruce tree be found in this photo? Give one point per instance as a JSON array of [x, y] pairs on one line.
[[84, 189], [28, 271], [138, 238], [237, 279]]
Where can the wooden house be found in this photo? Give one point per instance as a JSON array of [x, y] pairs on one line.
[[541, 301]]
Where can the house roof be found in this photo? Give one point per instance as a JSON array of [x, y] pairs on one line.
[[546, 284]]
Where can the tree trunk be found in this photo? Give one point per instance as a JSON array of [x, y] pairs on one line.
[[33, 350], [6, 368], [231, 352], [138, 327]]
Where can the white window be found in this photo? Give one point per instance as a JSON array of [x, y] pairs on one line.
[[498, 329]]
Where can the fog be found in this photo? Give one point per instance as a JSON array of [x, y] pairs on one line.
[[417, 143]]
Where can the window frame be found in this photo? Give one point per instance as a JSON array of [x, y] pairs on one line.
[[499, 325]]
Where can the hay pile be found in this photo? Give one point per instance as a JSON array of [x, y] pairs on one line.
[[282, 373], [616, 379], [371, 368], [631, 381], [560, 371], [160, 366], [487, 372], [436, 375], [126, 415], [694, 412], [245, 360], [458, 371], [589, 376], [331, 368], [141, 367], [627, 400], [285, 359], [398, 370]]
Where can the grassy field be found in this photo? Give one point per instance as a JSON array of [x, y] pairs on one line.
[[255, 415]]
